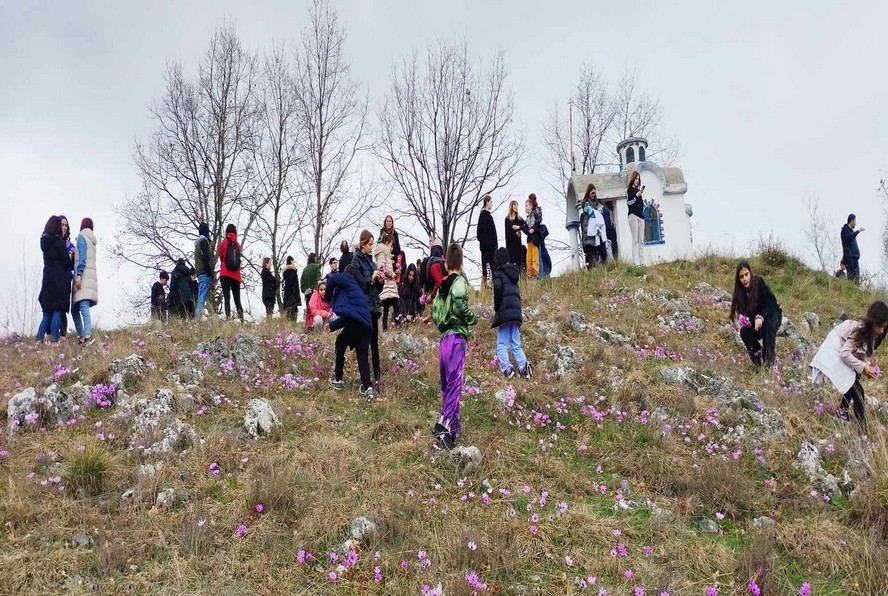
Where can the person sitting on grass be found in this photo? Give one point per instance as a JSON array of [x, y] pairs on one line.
[[349, 302], [848, 353], [507, 318], [452, 315], [318, 313], [756, 310]]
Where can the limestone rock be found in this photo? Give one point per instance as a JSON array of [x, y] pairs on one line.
[[177, 437], [362, 527], [82, 539], [260, 419], [762, 523], [549, 330], [808, 460], [467, 458], [410, 345], [531, 312], [709, 526], [610, 337], [566, 361], [248, 351], [54, 406], [577, 322], [127, 371]]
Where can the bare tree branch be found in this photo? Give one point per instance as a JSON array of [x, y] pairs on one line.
[[446, 139], [821, 237]]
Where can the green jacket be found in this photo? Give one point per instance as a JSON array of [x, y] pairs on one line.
[[450, 310], [310, 276]]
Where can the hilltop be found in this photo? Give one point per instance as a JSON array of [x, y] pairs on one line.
[[645, 456]]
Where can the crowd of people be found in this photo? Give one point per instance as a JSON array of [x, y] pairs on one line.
[[375, 281]]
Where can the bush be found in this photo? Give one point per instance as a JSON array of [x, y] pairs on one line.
[[85, 472]]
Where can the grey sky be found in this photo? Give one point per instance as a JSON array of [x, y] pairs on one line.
[[772, 102]]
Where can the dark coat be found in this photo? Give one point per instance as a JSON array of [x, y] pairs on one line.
[[180, 285], [345, 260], [487, 232], [410, 293], [513, 240], [55, 291], [292, 294], [269, 285], [506, 296], [850, 250], [347, 299], [766, 306], [366, 266]]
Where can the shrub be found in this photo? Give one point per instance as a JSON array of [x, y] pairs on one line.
[[85, 472]]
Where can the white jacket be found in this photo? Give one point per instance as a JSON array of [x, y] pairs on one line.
[[840, 358], [89, 282]]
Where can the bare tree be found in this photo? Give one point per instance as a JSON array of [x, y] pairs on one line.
[[447, 138], [883, 194], [601, 119], [638, 114], [593, 113], [198, 165], [282, 208], [333, 119], [21, 310], [821, 236]]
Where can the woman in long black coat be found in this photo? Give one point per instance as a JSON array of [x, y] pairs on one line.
[[514, 223], [55, 290]]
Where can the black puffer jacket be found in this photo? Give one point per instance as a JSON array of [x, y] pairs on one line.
[[366, 266], [55, 291], [506, 296]]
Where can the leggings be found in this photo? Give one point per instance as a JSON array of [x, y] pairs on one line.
[[760, 345], [374, 345], [356, 337], [231, 288], [389, 304], [855, 395]]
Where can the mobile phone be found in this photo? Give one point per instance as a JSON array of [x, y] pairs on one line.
[[642, 187]]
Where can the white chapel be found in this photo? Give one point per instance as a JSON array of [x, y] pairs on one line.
[[667, 226]]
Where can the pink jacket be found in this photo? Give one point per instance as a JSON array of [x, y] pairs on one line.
[[316, 307], [852, 354]]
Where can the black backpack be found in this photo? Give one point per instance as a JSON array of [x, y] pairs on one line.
[[232, 256]]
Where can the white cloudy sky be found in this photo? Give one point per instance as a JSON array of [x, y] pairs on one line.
[[772, 102]]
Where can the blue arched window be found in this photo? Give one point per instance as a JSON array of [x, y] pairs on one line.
[[641, 154], [653, 229], [630, 155]]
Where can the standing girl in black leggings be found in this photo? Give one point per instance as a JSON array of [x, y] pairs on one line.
[[371, 280], [847, 354]]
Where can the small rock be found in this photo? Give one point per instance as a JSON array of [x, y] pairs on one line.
[[709, 526], [577, 322], [549, 330], [843, 316], [763, 523], [127, 370], [531, 312], [128, 495], [260, 419], [82, 540], [787, 329], [177, 437], [166, 499], [362, 527], [417, 384], [566, 362], [682, 375], [467, 459], [409, 345], [624, 486], [248, 351], [610, 337], [505, 397]]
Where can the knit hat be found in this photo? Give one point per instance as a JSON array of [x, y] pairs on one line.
[[86, 223]]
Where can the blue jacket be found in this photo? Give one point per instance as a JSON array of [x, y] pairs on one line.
[[345, 297], [366, 266]]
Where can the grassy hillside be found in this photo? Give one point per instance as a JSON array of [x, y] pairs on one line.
[[646, 457]]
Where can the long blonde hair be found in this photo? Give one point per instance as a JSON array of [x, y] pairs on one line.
[[513, 209]]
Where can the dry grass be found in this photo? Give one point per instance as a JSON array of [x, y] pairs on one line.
[[337, 457]]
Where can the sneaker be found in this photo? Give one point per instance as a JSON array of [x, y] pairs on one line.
[[527, 371], [367, 393], [509, 373], [337, 385], [88, 341], [447, 440]]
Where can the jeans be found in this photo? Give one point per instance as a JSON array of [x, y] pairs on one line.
[[636, 228], [509, 336], [203, 288], [50, 324], [82, 320], [451, 362]]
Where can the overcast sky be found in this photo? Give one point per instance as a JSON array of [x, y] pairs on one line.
[[772, 102]]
